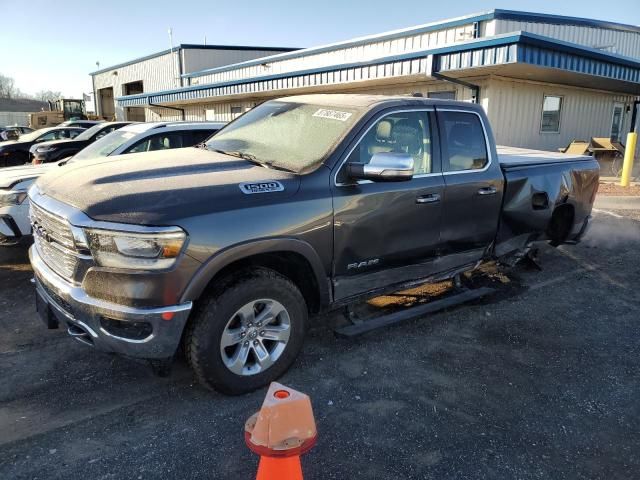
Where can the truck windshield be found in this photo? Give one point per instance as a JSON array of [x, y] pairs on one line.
[[104, 146], [286, 135]]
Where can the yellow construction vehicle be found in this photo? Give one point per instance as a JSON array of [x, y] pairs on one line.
[[60, 111]]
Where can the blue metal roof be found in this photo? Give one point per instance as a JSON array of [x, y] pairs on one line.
[[521, 47], [562, 20], [429, 27]]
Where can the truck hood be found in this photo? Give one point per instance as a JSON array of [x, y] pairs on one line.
[[159, 188], [13, 175]]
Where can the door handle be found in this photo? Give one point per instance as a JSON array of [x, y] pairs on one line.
[[430, 198], [488, 191]]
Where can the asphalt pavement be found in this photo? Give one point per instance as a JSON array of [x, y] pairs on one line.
[[541, 380]]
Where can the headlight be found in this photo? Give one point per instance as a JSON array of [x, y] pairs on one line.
[[12, 198], [45, 149], [128, 250]]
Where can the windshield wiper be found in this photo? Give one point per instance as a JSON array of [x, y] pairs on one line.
[[251, 158], [277, 167], [242, 155]]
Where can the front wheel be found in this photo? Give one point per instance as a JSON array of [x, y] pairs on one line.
[[247, 332]]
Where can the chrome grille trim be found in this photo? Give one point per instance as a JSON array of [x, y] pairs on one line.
[[61, 260], [56, 227], [53, 239]]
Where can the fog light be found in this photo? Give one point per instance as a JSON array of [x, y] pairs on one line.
[[128, 330]]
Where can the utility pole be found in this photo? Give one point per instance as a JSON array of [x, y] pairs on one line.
[[173, 58]]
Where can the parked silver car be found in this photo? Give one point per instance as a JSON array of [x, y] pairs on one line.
[[134, 138]]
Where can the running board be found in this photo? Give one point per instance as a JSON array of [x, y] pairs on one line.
[[358, 327]]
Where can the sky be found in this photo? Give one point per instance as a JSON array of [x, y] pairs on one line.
[[54, 44]]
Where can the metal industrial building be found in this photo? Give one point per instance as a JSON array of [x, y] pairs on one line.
[[161, 71], [544, 80]]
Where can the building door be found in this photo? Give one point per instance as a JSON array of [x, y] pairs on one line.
[[135, 114], [107, 107], [616, 121]]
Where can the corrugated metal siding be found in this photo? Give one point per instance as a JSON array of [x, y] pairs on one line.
[[360, 53], [515, 109], [157, 74], [399, 68], [576, 63], [622, 43], [222, 110], [14, 118], [194, 60], [478, 58]]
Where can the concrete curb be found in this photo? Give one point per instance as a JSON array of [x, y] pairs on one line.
[[617, 202]]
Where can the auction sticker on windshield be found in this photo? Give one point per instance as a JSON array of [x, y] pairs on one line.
[[332, 114]]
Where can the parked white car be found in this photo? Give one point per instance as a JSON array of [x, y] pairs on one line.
[[15, 227]]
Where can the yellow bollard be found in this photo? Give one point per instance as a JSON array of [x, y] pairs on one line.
[[629, 152]]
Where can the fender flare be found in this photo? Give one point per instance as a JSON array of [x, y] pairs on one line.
[[211, 267]]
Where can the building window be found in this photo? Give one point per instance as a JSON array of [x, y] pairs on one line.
[[132, 88], [446, 95], [235, 111], [551, 109]]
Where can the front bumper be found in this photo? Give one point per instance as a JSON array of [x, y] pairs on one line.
[[92, 321]]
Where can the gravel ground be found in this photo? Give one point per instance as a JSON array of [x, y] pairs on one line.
[[539, 381]]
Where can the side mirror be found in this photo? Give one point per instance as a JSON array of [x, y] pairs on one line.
[[383, 167]]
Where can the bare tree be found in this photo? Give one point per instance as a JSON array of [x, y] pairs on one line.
[[7, 87], [47, 95]]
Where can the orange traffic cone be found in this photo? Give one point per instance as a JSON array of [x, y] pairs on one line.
[[280, 432]]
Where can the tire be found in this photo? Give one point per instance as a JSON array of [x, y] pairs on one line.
[[227, 310]]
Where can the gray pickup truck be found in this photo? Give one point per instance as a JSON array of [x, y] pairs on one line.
[[299, 206]]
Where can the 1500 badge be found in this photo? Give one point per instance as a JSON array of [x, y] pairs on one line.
[[249, 188]]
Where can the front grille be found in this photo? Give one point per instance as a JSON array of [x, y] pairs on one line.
[[57, 228], [53, 239]]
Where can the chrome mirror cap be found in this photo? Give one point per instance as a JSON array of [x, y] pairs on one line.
[[385, 167]]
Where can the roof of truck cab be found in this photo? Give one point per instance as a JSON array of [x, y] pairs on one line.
[[356, 100]]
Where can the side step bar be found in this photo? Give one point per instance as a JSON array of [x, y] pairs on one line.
[[363, 326]]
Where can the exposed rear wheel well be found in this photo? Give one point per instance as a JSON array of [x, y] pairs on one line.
[[288, 264], [561, 223]]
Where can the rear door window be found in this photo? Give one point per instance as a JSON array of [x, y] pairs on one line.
[[463, 141]]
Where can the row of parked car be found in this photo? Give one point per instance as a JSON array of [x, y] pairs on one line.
[[41, 151]]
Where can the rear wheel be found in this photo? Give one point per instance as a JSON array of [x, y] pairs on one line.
[[247, 332]]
